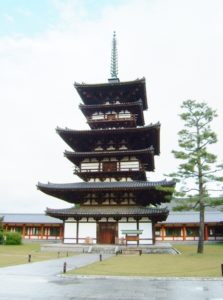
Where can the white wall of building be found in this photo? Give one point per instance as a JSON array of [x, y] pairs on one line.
[[86, 231], [146, 234], [70, 229], [90, 166], [126, 165]]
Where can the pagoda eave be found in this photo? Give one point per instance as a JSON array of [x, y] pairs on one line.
[[145, 192], [136, 185], [154, 214], [98, 93], [143, 137]]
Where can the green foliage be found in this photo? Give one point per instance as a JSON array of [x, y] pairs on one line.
[[1, 224], [1, 237], [214, 201], [1, 232], [189, 203], [167, 191], [13, 238], [198, 168]]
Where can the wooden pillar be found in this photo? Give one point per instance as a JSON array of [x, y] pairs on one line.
[[61, 232], [42, 231], [23, 230], [205, 232], [137, 227], [162, 232], [184, 232]]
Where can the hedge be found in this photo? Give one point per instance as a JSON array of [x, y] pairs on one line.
[[13, 238]]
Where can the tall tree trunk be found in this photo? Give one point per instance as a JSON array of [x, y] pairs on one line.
[[200, 247]]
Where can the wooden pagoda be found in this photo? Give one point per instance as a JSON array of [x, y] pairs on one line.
[[114, 203]]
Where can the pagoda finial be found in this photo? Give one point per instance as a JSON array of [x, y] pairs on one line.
[[114, 58]]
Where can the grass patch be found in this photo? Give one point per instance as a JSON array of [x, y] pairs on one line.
[[18, 254], [187, 264]]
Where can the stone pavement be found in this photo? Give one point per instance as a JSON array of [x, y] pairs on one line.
[[44, 280]]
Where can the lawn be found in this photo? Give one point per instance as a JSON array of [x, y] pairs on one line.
[[15, 255], [187, 264]]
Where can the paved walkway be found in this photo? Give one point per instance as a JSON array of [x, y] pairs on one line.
[[43, 280]]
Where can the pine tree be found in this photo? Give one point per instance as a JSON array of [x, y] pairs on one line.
[[198, 170]]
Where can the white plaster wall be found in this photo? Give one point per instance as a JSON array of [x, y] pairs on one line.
[[98, 117], [124, 115], [70, 230], [89, 166], [87, 230], [146, 234], [134, 165]]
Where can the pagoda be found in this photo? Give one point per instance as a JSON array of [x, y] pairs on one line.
[[114, 203]]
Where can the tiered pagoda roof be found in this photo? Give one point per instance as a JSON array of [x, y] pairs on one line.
[[139, 138], [117, 213], [128, 137], [128, 91], [144, 192]]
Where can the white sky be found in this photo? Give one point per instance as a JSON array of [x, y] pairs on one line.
[[176, 44]]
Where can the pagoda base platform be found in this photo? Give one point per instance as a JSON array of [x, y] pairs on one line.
[[158, 248]]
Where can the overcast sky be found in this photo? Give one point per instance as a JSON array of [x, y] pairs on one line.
[[46, 45]]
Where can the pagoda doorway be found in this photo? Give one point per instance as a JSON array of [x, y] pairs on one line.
[[110, 166], [106, 232]]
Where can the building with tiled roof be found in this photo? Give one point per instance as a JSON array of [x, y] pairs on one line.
[[33, 226], [179, 226]]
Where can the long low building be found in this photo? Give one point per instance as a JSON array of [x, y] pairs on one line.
[[179, 226], [33, 226], [184, 226]]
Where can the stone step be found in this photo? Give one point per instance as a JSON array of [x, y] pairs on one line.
[[104, 249], [111, 249]]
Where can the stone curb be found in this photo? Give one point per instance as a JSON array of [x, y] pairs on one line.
[[69, 276]]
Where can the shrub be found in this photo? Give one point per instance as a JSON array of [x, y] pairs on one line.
[[13, 238], [1, 232], [1, 237]]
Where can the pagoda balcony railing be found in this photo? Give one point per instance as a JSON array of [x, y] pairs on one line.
[[115, 119], [99, 170]]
